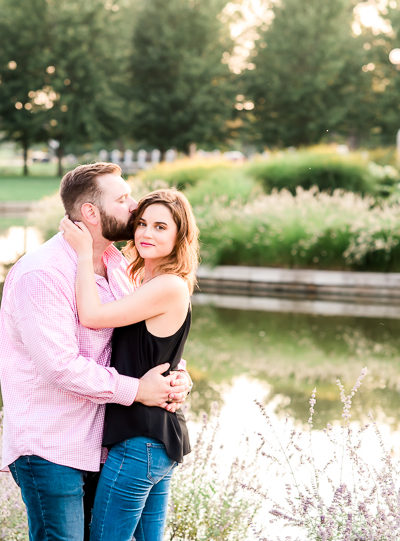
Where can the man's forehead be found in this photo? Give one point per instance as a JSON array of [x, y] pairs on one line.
[[113, 185]]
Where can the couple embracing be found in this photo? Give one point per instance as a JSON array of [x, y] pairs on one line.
[[91, 367]]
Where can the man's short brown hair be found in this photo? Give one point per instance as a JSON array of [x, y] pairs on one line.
[[80, 186]]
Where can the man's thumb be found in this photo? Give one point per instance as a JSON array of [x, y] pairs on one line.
[[161, 368]]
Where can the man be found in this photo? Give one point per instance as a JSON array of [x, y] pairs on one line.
[[55, 374]]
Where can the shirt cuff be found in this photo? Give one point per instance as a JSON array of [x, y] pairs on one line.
[[126, 391]]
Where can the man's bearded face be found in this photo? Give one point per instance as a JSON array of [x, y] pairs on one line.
[[114, 230]]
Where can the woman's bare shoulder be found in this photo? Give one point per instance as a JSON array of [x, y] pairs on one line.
[[171, 281]]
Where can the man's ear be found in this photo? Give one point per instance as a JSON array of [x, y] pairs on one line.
[[90, 213]]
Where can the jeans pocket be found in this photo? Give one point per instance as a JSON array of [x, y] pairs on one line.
[[14, 473], [159, 464]]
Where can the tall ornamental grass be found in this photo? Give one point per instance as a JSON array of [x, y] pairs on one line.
[[342, 483], [207, 502], [310, 229]]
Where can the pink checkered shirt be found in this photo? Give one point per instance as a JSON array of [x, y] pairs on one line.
[[54, 373]]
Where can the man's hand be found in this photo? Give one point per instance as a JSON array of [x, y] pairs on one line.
[[155, 389]]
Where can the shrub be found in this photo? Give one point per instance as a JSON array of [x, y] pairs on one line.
[[310, 229], [184, 173], [228, 184], [326, 171]]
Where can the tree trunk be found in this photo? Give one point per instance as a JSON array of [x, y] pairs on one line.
[[60, 155], [192, 149], [25, 148]]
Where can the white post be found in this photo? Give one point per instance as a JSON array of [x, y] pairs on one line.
[[141, 159], [115, 156]]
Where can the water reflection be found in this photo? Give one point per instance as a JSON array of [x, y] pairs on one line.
[[284, 454], [293, 353], [17, 240]]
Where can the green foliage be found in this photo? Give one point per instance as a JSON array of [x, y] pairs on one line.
[[226, 183], [181, 90], [385, 77], [202, 181], [60, 72], [24, 55], [307, 77], [309, 230], [89, 60], [183, 173], [292, 227], [305, 169]]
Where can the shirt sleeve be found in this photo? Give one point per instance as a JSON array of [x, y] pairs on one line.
[[47, 324]]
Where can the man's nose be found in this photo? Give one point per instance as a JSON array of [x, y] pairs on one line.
[[133, 204]]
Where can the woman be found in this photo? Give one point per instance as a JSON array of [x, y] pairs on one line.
[[152, 324]]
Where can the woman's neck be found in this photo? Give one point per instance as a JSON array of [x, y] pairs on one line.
[[150, 269]]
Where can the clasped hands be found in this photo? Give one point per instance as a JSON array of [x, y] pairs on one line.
[[168, 392]]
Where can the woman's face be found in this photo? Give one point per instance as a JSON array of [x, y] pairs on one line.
[[155, 233]]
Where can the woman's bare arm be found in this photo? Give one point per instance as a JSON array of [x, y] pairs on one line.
[[150, 300]]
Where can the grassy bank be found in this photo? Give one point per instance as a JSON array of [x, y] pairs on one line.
[[20, 188]]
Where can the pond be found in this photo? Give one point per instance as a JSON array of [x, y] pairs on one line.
[[291, 353], [239, 356]]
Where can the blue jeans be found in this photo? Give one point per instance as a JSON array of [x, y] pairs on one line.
[[53, 496], [132, 494]]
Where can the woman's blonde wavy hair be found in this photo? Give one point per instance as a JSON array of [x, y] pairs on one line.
[[184, 258]]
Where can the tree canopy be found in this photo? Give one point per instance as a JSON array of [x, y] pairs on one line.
[[307, 72], [182, 90], [156, 74]]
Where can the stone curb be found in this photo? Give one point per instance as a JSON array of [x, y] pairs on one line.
[[294, 283]]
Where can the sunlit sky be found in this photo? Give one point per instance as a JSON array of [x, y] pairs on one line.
[[248, 14]]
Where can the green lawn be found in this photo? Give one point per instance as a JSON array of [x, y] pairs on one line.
[[37, 169], [13, 188]]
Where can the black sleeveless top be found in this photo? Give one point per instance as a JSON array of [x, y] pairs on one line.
[[134, 351]]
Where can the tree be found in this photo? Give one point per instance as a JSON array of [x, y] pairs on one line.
[[182, 90], [62, 69], [85, 74], [24, 56], [307, 77], [386, 76]]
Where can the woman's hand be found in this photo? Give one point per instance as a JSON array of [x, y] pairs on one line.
[[78, 236]]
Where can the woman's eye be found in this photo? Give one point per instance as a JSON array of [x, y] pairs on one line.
[[141, 224]]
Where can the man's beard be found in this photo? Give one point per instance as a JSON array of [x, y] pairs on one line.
[[114, 230]]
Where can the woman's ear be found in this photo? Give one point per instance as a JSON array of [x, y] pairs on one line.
[[90, 213]]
